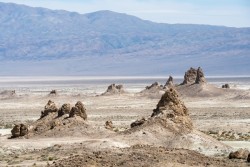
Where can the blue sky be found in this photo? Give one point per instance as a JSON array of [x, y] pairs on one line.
[[234, 13]]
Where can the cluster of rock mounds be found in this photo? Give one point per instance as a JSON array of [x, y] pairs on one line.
[[229, 135], [53, 93], [52, 117], [114, 89]]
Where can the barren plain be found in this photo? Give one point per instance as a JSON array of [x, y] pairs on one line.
[[222, 114]]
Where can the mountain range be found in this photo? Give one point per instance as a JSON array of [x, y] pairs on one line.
[[39, 41]]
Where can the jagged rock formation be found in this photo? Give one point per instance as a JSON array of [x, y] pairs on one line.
[[194, 76], [109, 125], [137, 122], [65, 109], [239, 154], [226, 86], [19, 130], [173, 108], [50, 107], [248, 158], [170, 82], [114, 89], [190, 76], [170, 108], [200, 78], [78, 110]]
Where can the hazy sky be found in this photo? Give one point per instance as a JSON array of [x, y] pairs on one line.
[[235, 13]]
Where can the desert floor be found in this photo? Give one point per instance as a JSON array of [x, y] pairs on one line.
[[211, 115]]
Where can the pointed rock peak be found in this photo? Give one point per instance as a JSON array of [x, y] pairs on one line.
[[200, 78], [170, 82], [173, 108]]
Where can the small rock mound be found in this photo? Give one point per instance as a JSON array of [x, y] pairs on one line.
[[53, 93], [194, 76], [65, 109], [50, 107], [19, 130], [239, 154], [155, 90], [137, 122], [109, 125], [154, 85], [114, 89], [226, 86], [170, 82]]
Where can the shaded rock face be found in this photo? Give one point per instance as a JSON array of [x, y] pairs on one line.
[[173, 108], [65, 109], [109, 125], [138, 122], [170, 82], [19, 130], [226, 86], [194, 76], [190, 76], [114, 89], [78, 110], [50, 107], [200, 78], [248, 158], [239, 154]]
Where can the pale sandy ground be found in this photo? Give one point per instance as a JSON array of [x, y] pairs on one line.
[[212, 113]]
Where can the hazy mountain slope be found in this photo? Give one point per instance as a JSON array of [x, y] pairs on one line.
[[38, 41]]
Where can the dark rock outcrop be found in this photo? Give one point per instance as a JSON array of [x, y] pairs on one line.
[[109, 125], [226, 86], [78, 110], [50, 107], [19, 130], [53, 93], [170, 82], [137, 122], [239, 154], [248, 158], [65, 109]]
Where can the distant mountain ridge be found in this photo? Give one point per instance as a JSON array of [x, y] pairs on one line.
[[38, 41]]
